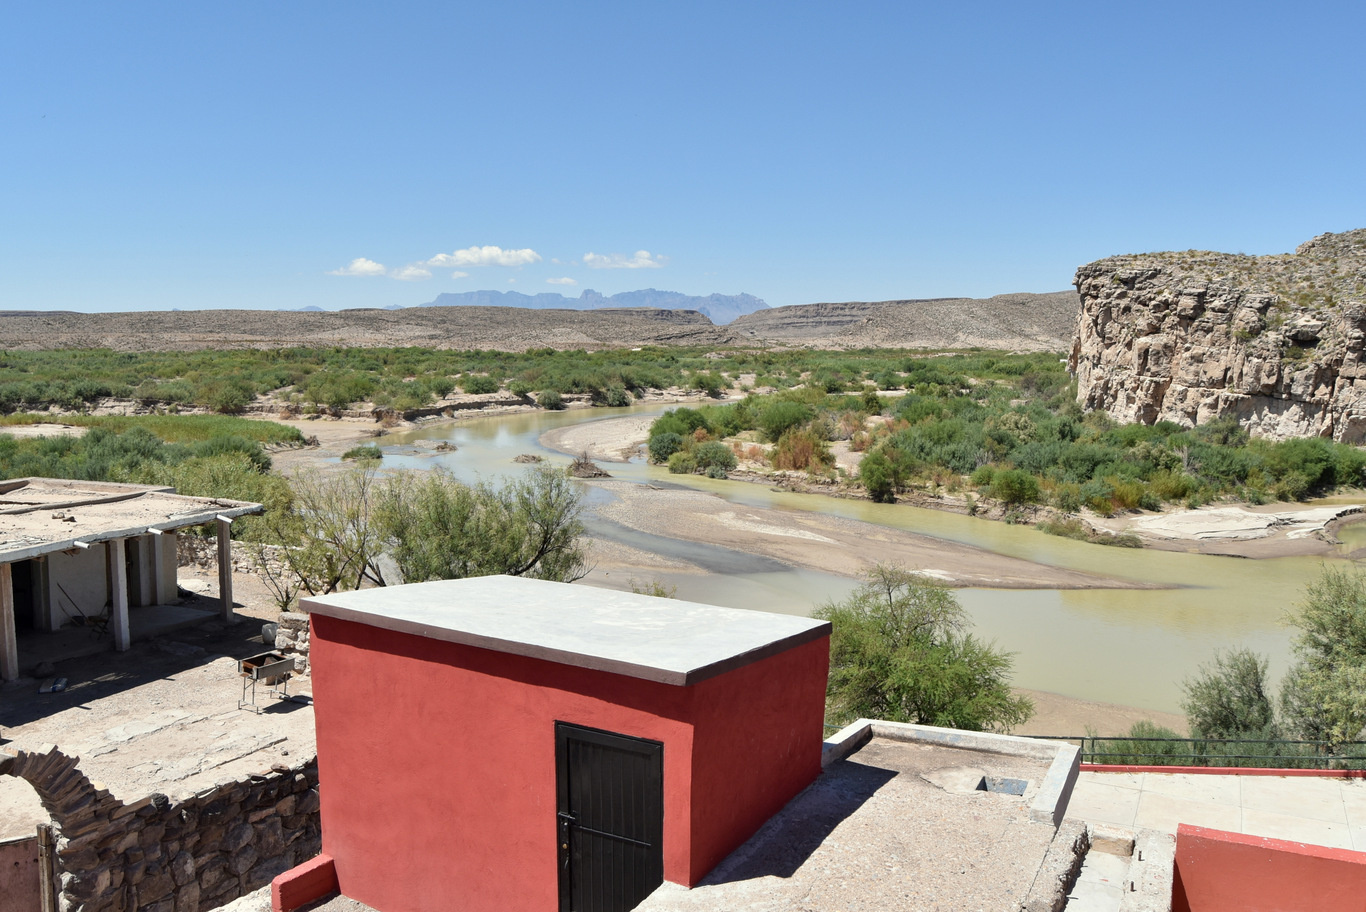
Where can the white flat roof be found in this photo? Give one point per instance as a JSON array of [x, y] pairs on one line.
[[44, 515], [657, 639]]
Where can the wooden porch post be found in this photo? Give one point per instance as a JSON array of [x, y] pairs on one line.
[[225, 567], [9, 644], [118, 584]]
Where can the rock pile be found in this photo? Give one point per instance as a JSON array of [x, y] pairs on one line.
[[1275, 341]]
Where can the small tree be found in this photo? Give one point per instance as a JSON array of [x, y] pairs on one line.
[[1230, 698], [1324, 693], [438, 528], [330, 540], [898, 652], [877, 474]]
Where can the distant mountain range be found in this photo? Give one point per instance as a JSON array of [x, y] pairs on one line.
[[718, 308]]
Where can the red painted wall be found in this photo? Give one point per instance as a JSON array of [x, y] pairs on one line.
[[437, 761], [757, 743], [1218, 871]]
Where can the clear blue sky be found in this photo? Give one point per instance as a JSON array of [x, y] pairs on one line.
[[243, 155]]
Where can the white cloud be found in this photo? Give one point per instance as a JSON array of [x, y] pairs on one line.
[[485, 256], [410, 273], [460, 275], [564, 281], [642, 260], [360, 266]]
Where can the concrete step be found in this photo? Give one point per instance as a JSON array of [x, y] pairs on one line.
[[1124, 871]]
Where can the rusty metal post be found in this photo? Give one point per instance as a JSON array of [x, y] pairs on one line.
[[47, 869]]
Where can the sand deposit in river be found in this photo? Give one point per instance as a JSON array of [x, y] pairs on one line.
[[830, 544]]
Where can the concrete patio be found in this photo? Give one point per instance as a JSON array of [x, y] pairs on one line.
[[1312, 809]]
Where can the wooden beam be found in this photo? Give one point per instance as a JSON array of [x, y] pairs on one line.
[[118, 585], [9, 641], [225, 567]]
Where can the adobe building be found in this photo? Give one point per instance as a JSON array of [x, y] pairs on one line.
[[85, 552], [526, 745]]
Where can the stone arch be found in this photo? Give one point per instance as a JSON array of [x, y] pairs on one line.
[[155, 854], [72, 800]]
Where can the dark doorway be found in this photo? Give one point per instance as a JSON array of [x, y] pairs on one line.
[[610, 804], [25, 594]]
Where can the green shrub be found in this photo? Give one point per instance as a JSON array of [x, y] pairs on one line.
[[1012, 486], [480, 385], [1167, 750], [364, 451], [778, 417], [982, 475], [878, 476], [680, 421], [714, 455], [1067, 497], [682, 463], [663, 445], [550, 399], [616, 397]]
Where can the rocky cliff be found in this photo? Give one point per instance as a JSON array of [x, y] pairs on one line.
[[1276, 341]]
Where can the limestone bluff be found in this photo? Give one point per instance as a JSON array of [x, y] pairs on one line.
[[1276, 341]]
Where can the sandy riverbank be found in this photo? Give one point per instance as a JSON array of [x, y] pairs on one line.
[[830, 544], [1267, 531]]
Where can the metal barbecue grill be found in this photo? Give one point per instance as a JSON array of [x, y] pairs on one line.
[[271, 668]]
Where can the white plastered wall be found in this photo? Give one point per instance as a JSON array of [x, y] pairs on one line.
[[78, 583]]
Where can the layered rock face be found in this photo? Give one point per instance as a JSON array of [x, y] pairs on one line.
[[1276, 341]]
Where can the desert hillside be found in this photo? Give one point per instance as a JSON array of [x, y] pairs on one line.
[[1018, 321]]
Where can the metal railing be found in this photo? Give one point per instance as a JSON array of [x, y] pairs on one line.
[[1238, 752]]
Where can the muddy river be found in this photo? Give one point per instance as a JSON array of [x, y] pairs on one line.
[[1123, 646]]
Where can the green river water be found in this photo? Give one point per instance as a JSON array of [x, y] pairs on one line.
[[1132, 647]]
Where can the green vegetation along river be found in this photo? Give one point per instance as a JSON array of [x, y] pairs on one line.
[[1125, 646]]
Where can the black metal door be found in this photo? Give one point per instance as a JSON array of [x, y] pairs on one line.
[[610, 808]]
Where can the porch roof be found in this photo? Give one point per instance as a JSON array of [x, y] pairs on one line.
[[45, 515]]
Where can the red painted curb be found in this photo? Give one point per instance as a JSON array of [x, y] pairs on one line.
[[301, 885]]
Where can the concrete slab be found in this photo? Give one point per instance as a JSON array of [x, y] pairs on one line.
[[1092, 896], [1354, 802], [1163, 812], [1318, 810], [1257, 822], [657, 639], [1298, 796], [1098, 802], [1207, 789], [873, 834]]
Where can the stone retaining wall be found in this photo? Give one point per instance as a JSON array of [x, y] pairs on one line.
[[157, 856], [202, 551], [291, 637]]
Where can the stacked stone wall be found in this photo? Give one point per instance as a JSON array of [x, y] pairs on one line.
[[155, 855], [291, 637], [202, 551]]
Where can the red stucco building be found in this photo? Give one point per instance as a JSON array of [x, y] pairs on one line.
[[511, 744]]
